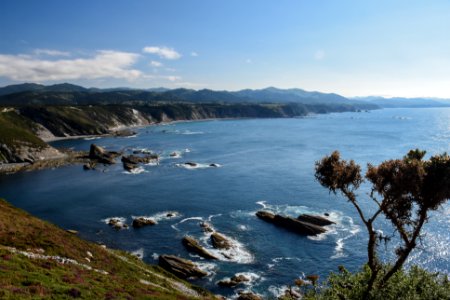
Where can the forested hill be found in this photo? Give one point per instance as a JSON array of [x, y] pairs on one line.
[[68, 94]]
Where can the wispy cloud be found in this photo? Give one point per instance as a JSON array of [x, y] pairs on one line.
[[156, 64], [195, 54], [163, 52], [50, 52], [104, 64]]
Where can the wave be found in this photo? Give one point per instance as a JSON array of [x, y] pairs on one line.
[[135, 171], [139, 253], [119, 219], [160, 216], [92, 138], [191, 166]]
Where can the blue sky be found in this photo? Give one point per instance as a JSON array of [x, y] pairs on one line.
[[355, 48]]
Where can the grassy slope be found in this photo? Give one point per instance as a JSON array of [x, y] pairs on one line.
[[24, 277], [16, 130]]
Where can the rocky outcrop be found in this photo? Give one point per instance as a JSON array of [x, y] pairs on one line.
[[180, 267], [117, 223], [233, 281], [124, 133], [131, 162], [303, 228], [141, 222], [219, 241], [99, 154], [316, 220], [194, 246]]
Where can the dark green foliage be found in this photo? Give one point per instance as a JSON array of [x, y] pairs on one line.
[[415, 283]]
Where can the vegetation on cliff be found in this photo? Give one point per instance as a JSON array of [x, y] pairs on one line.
[[40, 260]]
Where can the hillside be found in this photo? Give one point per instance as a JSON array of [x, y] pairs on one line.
[[40, 260], [68, 94]]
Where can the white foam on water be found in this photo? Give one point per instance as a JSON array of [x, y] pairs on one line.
[[92, 138], [209, 268], [198, 166], [236, 253], [139, 253], [253, 278], [160, 216], [262, 203], [175, 226], [155, 256], [187, 150], [213, 216], [120, 219], [188, 132], [135, 171]]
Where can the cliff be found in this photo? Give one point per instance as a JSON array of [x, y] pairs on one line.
[[40, 260]]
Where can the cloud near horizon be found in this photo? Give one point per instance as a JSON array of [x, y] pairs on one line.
[[104, 64], [163, 52]]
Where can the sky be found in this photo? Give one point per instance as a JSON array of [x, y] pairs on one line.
[[353, 48]]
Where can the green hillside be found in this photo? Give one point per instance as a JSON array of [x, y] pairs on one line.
[[40, 260]]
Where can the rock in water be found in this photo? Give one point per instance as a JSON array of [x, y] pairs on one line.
[[316, 220], [233, 281], [193, 245], [292, 224], [141, 222], [182, 268], [101, 155], [191, 164], [219, 241], [206, 227], [248, 296]]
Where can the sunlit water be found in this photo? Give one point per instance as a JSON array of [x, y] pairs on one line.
[[264, 163]]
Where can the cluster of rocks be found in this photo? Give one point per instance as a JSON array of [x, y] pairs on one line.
[[131, 162], [98, 155], [304, 224]]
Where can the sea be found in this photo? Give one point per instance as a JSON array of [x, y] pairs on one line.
[[261, 164]]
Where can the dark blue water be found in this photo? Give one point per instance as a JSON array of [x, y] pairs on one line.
[[264, 163]]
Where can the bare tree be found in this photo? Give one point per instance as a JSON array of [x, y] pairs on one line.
[[403, 190]]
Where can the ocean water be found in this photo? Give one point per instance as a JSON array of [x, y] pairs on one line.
[[264, 163]]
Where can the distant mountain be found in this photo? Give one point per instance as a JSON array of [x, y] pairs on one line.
[[69, 94], [398, 102], [272, 94], [18, 88], [33, 87]]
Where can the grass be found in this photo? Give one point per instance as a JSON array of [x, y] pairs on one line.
[[28, 278], [16, 131]]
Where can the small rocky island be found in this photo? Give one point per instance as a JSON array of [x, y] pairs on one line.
[[304, 224]]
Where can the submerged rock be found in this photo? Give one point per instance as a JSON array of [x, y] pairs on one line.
[[191, 164], [89, 165], [316, 220], [180, 267], [233, 281], [193, 245], [290, 223], [141, 222], [206, 227], [134, 159], [214, 165], [219, 241]]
